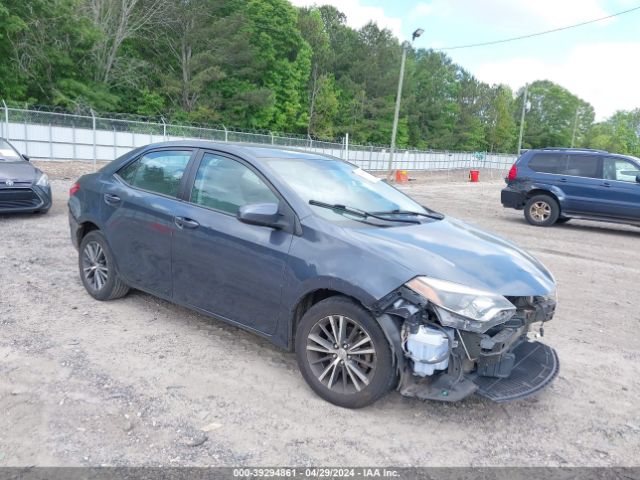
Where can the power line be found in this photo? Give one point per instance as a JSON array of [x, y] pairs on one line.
[[505, 40]]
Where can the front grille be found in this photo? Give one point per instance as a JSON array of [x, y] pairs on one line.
[[18, 198]]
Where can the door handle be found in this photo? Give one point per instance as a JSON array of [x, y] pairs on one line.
[[563, 180], [111, 199], [182, 222], [606, 184]]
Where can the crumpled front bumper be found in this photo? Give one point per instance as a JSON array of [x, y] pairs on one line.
[[535, 366]]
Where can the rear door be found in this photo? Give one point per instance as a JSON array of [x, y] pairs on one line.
[[221, 265], [620, 190], [140, 204], [581, 182]]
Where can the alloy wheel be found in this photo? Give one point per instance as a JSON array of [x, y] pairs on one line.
[[341, 354], [94, 266], [540, 211]]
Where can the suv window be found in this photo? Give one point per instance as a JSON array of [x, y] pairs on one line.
[[619, 169], [548, 163], [226, 185], [584, 166], [159, 172]]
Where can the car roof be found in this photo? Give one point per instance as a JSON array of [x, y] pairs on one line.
[[585, 151], [568, 150], [254, 150]]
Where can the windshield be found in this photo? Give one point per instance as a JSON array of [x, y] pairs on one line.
[[337, 182], [8, 153]]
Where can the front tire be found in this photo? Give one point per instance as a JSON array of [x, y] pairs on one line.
[[343, 354], [98, 268], [542, 210]]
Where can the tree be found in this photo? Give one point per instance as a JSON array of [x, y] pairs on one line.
[[322, 95], [433, 102], [117, 21], [619, 134], [42, 43], [550, 121], [264, 64], [283, 61], [203, 37], [501, 134]]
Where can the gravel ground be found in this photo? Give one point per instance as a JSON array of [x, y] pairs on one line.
[[139, 381]]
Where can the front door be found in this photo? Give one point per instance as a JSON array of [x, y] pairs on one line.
[[139, 206], [221, 265], [620, 190]]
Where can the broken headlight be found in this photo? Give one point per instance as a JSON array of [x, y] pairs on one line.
[[463, 307]]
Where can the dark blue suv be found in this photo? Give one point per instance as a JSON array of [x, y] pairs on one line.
[[554, 185]]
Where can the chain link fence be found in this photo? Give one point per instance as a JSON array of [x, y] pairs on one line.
[[50, 135]]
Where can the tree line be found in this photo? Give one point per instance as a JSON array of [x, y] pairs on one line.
[[267, 65]]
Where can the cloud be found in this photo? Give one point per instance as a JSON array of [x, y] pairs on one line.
[[358, 15], [600, 73], [422, 9]]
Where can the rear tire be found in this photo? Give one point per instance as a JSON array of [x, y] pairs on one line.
[[98, 268], [343, 353], [542, 210]]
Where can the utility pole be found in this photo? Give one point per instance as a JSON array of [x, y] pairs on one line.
[[575, 128], [524, 108], [396, 114]]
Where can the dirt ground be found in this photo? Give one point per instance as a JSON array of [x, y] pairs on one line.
[[139, 381]]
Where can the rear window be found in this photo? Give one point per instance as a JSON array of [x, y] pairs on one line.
[[159, 172], [548, 163]]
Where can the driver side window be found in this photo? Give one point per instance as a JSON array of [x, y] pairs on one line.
[[619, 169], [226, 185]]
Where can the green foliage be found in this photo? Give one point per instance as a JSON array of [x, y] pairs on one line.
[[502, 126], [264, 64], [550, 121], [620, 133]]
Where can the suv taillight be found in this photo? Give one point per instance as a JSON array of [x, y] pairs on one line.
[[74, 189], [513, 173]]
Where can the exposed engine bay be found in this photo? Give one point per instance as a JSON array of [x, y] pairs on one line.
[[445, 356]]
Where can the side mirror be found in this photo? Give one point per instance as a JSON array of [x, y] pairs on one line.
[[262, 214], [27, 159]]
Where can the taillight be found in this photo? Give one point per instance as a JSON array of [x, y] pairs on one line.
[[513, 173], [74, 189]]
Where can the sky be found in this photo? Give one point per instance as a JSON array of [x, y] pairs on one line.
[[599, 62]]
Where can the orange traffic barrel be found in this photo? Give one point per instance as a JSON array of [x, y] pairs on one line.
[[474, 175], [401, 176]]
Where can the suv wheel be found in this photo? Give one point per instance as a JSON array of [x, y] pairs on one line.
[[97, 268], [542, 210], [343, 353]]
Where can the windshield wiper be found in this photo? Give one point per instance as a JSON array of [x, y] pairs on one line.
[[431, 214], [359, 213]]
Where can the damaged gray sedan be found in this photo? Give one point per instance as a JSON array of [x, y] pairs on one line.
[[372, 290]]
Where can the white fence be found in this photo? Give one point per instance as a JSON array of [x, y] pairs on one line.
[[47, 135]]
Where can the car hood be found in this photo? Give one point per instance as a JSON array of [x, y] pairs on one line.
[[18, 171], [458, 252]]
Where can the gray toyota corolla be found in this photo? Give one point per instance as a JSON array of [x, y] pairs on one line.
[[23, 187], [372, 290]]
